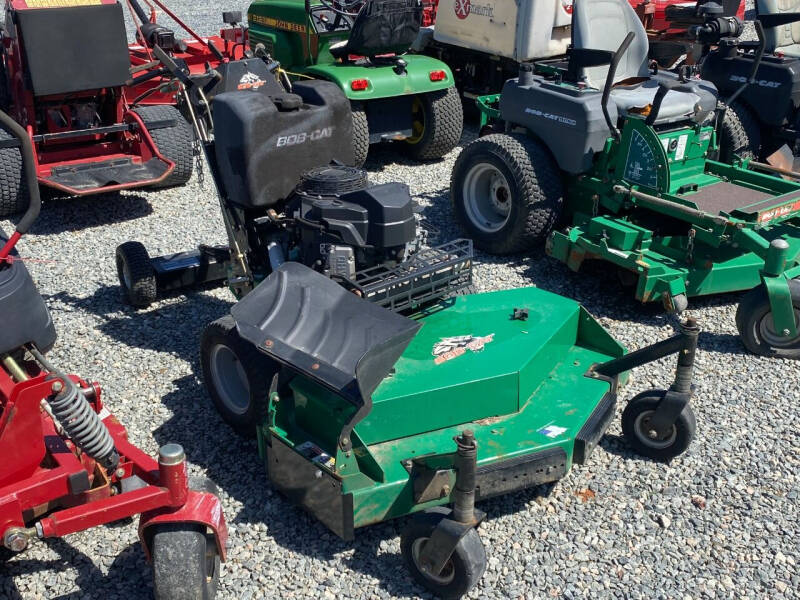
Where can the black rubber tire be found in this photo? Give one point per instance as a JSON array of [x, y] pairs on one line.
[[467, 564], [6, 554], [14, 195], [186, 563], [740, 134], [678, 442], [752, 310], [136, 274], [443, 123], [535, 191], [360, 135], [175, 143], [258, 368]]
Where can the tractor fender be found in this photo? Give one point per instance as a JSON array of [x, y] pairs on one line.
[[202, 508], [383, 81]]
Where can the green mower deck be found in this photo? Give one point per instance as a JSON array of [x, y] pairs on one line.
[[362, 415]]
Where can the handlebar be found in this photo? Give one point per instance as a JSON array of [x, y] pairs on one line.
[[29, 172]]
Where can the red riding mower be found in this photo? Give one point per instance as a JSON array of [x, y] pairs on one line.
[[67, 464], [69, 95], [153, 85]]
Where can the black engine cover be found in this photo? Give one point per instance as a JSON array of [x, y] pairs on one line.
[[379, 216], [23, 312], [265, 143], [777, 84]]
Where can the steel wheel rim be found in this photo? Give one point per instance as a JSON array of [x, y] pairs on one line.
[[126, 274], [487, 198], [642, 426], [229, 379], [417, 122], [448, 573], [766, 330]]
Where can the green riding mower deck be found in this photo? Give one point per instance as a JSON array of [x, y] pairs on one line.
[[361, 47], [629, 166], [363, 410]]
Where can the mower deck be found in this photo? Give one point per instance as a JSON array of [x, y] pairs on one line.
[[525, 394]]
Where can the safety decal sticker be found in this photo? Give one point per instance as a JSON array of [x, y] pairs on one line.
[[552, 431], [452, 347]]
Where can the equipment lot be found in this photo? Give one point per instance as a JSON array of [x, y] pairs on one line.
[[720, 522]]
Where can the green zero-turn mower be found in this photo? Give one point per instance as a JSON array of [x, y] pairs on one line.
[[360, 46], [367, 415], [622, 154]]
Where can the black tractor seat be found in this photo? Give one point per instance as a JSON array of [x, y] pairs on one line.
[[382, 27], [786, 38]]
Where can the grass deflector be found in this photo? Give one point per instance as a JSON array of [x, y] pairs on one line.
[[373, 415], [628, 164]]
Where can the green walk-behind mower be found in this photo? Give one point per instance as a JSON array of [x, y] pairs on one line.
[[276, 161], [361, 47], [365, 415], [622, 154]]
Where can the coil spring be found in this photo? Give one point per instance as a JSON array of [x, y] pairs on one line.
[[81, 424]]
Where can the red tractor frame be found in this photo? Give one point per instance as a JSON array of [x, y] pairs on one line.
[[67, 462], [68, 93]]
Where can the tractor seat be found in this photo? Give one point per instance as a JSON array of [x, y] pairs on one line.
[[694, 100], [382, 27], [786, 38]]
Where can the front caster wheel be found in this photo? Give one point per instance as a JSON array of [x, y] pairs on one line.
[[185, 563], [237, 376], [757, 329], [460, 573], [644, 440], [136, 274]]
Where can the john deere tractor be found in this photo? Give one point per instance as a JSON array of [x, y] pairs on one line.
[[360, 46], [623, 154]]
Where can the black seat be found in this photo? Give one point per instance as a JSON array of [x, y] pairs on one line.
[[382, 27]]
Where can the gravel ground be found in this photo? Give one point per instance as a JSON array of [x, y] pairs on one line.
[[720, 522]]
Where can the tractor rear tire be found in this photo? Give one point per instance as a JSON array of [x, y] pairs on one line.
[[461, 572], [506, 192], [439, 122], [237, 376], [14, 195], [360, 135], [755, 324], [175, 142], [136, 274], [740, 135], [185, 563], [635, 428]]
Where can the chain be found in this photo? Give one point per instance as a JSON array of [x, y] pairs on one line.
[[595, 204], [690, 246], [198, 162]]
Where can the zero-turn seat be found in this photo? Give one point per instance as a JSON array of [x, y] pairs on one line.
[[603, 25], [785, 38]]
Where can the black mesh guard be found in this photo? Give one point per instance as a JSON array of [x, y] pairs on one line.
[[306, 321], [385, 26]]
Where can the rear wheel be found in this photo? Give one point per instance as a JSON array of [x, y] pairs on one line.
[[185, 563], [437, 122], [646, 441], [136, 274], [360, 135], [175, 142], [13, 188], [237, 376], [757, 328], [461, 572], [506, 192], [740, 134]]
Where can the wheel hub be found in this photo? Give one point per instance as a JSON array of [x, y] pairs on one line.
[[448, 571], [230, 379], [766, 329], [487, 198], [648, 434]]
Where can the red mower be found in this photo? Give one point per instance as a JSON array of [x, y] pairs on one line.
[[67, 464], [62, 77], [152, 85]]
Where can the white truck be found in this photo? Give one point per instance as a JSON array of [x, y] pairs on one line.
[[484, 41]]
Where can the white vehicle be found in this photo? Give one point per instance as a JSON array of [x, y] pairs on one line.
[[484, 41]]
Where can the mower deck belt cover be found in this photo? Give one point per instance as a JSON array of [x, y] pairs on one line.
[[25, 315], [74, 49], [264, 145]]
